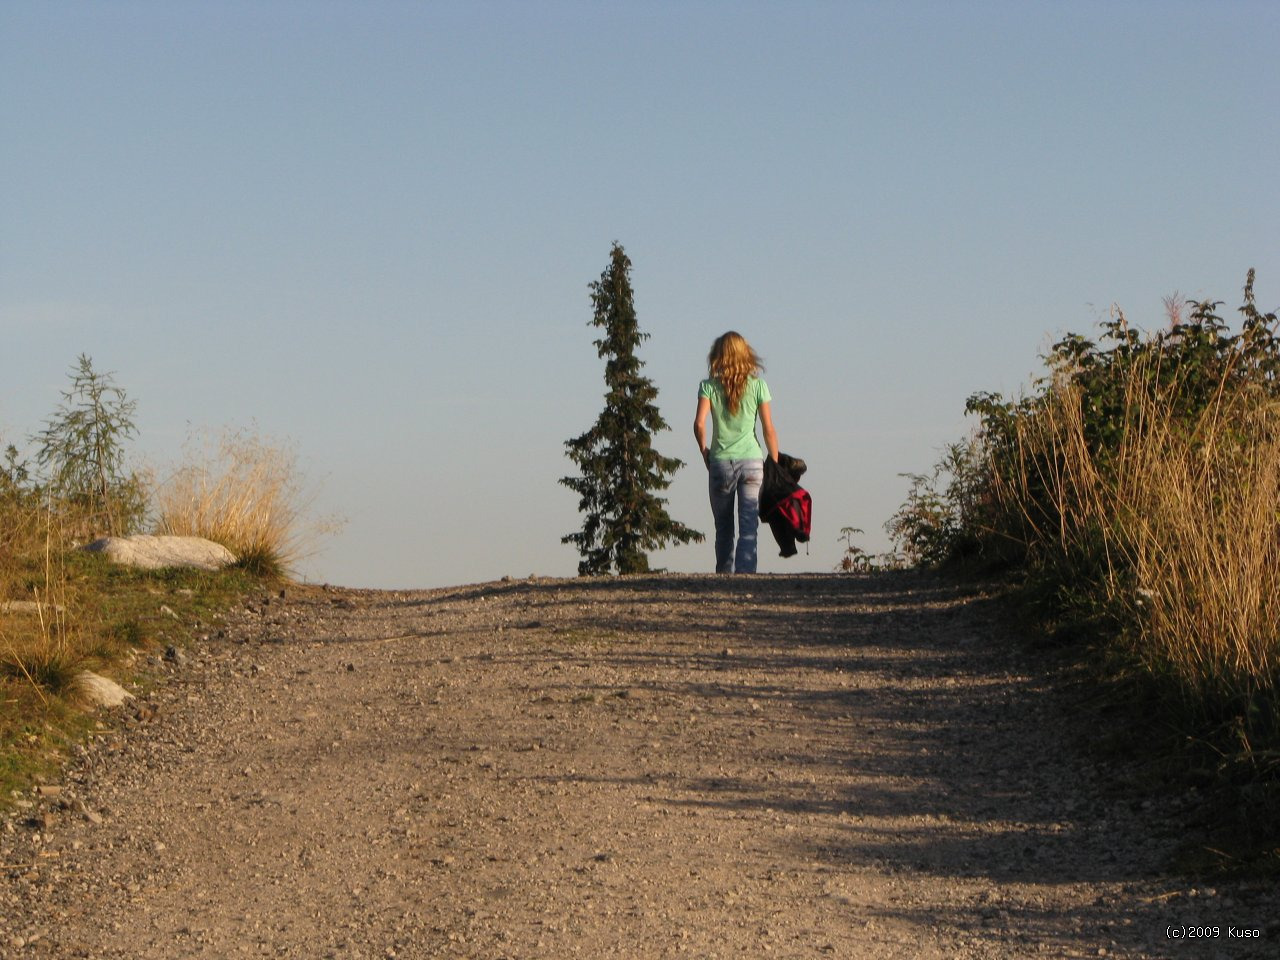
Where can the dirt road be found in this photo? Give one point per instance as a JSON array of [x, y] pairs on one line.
[[664, 766]]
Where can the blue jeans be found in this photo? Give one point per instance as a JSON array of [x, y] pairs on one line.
[[739, 480]]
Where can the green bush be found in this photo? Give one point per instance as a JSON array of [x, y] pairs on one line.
[[944, 518]]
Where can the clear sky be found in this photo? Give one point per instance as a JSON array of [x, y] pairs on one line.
[[367, 229]]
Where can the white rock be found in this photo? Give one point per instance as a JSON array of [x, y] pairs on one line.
[[152, 553], [100, 691]]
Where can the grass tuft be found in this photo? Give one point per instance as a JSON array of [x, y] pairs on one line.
[[51, 671], [245, 494]]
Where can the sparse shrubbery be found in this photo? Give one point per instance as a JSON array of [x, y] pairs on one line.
[[1136, 489], [941, 521], [857, 560]]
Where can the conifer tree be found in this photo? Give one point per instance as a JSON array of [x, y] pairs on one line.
[[624, 518]]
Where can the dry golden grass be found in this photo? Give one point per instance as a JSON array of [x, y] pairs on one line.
[[1182, 521], [243, 493], [1205, 542], [34, 631]]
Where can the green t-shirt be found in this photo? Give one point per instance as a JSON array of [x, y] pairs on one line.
[[733, 435]]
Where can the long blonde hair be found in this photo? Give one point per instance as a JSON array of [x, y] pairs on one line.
[[731, 361]]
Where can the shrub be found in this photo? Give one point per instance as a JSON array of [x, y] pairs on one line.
[[942, 520], [17, 514]]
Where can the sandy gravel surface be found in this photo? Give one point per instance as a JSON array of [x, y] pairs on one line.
[[664, 766]]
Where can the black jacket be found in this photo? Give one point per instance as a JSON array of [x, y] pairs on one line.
[[781, 479]]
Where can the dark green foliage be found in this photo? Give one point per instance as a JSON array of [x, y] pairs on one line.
[[623, 517], [939, 521], [262, 562], [82, 449], [17, 499]]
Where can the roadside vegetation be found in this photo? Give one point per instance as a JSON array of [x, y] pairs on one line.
[[1132, 498], [64, 611]]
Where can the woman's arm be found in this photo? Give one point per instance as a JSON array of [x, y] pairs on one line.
[[700, 429], [770, 434]]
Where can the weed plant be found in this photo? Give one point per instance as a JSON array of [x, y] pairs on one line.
[[858, 560]]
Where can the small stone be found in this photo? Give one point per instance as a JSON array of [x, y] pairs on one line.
[[93, 817], [100, 691]]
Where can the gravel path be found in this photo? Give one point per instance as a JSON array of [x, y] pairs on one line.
[[661, 766]]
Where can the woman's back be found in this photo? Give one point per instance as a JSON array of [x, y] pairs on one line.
[[734, 432]]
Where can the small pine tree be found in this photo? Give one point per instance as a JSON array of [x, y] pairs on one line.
[[82, 448], [621, 471]]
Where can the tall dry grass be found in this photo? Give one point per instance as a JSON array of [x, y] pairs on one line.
[[1177, 524], [245, 493], [38, 644]]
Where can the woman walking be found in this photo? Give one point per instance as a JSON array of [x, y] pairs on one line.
[[734, 396]]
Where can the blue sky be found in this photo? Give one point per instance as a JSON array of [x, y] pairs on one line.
[[366, 230]]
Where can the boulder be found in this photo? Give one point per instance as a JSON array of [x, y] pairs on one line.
[[99, 690], [153, 553]]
